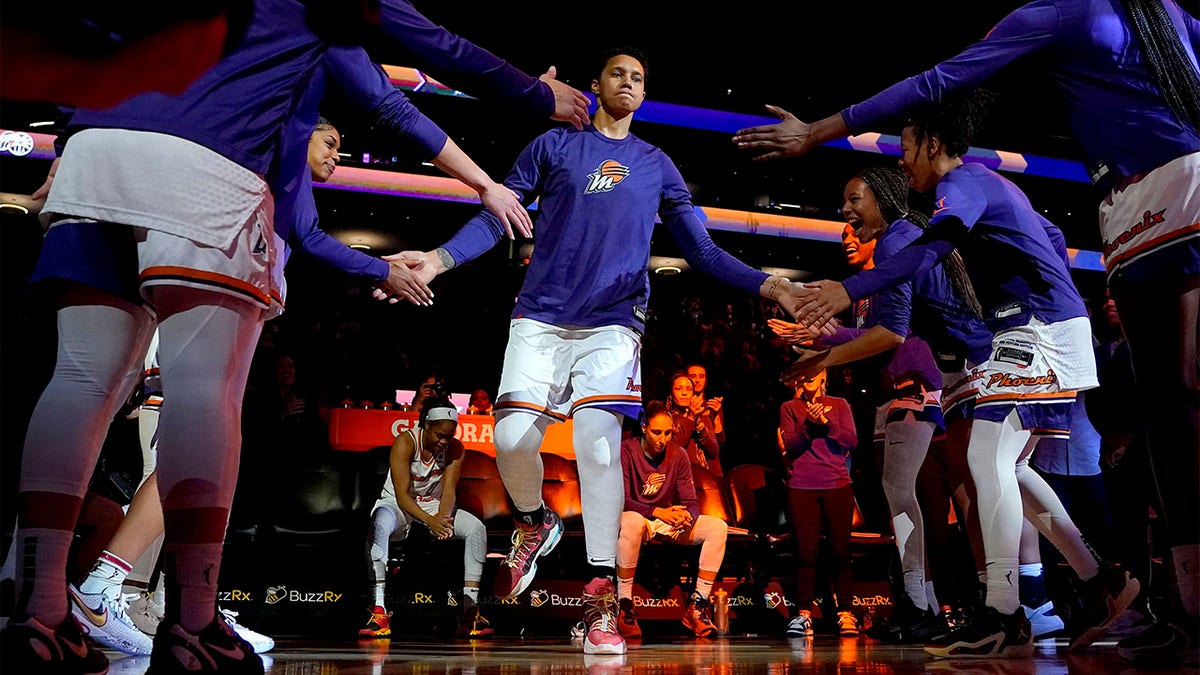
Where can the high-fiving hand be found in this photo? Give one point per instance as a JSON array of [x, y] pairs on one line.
[[788, 138]]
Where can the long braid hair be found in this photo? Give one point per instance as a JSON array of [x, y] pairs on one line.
[[1169, 64], [890, 187]]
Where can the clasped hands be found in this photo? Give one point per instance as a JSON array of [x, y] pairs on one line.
[[815, 307]]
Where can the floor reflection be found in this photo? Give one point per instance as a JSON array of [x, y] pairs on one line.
[[727, 656]]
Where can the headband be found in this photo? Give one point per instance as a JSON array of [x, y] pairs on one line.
[[436, 414]]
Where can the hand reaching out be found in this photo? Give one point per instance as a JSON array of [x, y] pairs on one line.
[[788, 138], [570, 105], [504, 203], [819, 302], [792, 333], [409, 275]]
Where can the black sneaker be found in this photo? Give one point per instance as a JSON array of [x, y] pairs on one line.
[[30, 647], [216, 649], [1160, 644], [990, 635], [908, 625], [1105, 596]]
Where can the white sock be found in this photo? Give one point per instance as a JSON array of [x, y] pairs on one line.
[[625, 587], [703, 587], [107, 573], [471, 592], [1187, 575], [931, 598]]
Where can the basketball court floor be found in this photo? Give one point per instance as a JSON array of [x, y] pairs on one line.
[[724, 656]]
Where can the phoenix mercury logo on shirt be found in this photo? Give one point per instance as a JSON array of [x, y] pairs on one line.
[[606, 176], [653, 484]]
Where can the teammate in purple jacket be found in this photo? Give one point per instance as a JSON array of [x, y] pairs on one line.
[[907, 325], [1041, 357], [1128, 77], [575, 337], [161, 212]]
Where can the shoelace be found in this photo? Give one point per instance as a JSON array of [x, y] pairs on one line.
[[523, 542], [599, 612], [230, 617]]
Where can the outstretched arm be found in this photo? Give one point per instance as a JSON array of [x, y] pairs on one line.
[[1026, 29], [790, 137], [471, 68]]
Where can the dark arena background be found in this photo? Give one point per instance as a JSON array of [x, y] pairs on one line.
[[295, 562]]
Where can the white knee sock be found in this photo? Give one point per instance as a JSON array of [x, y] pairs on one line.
[[906, 444], [597, 439], [992, 456], [518, 438]]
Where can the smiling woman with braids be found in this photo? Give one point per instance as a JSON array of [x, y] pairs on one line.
[[1127, 74], [1040, 359], [940, 307]]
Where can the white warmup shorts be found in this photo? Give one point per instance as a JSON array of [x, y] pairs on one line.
[[197, 218], [1156, 217], [1037, 369], [555, 371]]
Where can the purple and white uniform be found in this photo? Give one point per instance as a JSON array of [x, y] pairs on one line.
[[1016, 259], [1116, 112], [599, 199]]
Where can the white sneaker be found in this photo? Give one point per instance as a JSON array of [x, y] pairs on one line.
[[144, 611], [103, 616], [1042, 620], [801, 625], [260, 642]]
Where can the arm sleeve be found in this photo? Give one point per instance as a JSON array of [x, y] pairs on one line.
[[961, 204], [1025, 30], [841, 335], [893, 306], [679, 215], [307, 236], [841, 426], [366, 86], [482, 232], [462, 63], [795, 435], [1057, 241], [685, 486]]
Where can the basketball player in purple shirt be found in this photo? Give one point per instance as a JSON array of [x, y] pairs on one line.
[[1041, 357], [1128, 76], [575, 336]]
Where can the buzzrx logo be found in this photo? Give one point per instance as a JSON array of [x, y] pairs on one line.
[[234, 596], [655, 602], [870, 601], [543, 598], [277, 594]]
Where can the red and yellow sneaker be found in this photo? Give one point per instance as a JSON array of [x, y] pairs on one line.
[[379, 626]]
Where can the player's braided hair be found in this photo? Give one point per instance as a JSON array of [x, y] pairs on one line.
[[322, 124], [890, 188], [1168, 62], [955, 120]]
